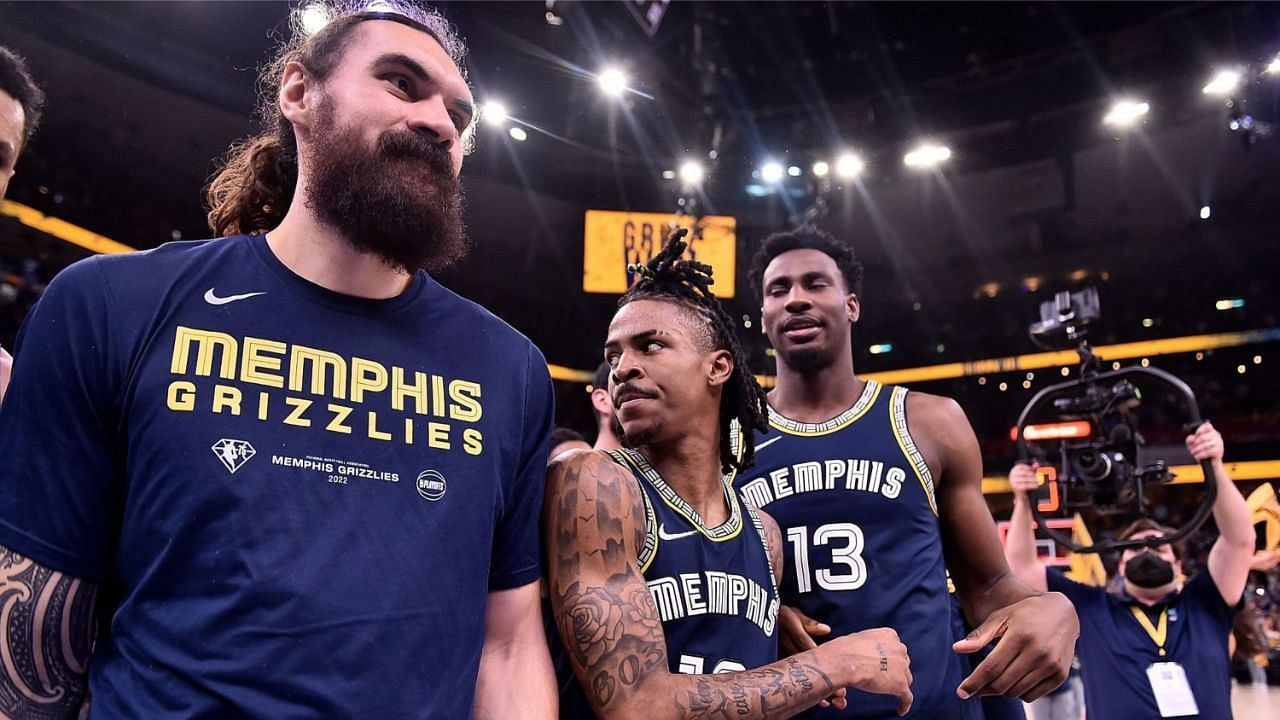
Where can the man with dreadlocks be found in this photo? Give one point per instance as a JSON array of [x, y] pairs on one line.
[[662, 582], [304, 476]]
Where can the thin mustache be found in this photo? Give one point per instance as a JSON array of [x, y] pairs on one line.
[[626, 390]]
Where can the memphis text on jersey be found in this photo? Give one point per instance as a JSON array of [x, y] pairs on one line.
[[714, 593], [426, 409], [870, 476]]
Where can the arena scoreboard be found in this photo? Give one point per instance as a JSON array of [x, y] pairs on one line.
[[614, 240]]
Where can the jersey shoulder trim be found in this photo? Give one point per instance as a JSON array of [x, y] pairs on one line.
[[844, 419], [644, 470], [898, 419], [650, 548], [764, 543]]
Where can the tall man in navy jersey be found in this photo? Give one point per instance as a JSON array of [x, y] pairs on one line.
[[878, 493], [1158, 647], [662, 583], [289, 473]]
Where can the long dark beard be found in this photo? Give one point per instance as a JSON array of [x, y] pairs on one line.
[[400, 202]]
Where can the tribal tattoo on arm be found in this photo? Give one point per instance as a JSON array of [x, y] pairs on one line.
[[609, 623], [46, 636]]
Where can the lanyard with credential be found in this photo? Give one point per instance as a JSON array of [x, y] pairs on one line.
[[1160, 632]]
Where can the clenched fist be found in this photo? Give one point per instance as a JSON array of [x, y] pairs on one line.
[[877, 662]]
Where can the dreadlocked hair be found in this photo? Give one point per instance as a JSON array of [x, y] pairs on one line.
[[688, 282]]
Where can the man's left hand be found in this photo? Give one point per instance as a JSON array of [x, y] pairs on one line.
[[1037, 641]]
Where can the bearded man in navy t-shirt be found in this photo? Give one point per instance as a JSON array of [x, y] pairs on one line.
[[287, 473]]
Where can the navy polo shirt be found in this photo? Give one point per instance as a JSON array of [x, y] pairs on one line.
[[1115, 651]]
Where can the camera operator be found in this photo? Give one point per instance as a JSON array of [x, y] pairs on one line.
[[1158, 647]]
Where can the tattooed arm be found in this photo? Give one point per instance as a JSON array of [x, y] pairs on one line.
[[46, 633], [594, 523]]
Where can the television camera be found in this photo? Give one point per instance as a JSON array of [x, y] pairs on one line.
[[1093, 445]]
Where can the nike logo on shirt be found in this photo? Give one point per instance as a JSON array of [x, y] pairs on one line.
[[213, 299], [767, 443], [664, 535]]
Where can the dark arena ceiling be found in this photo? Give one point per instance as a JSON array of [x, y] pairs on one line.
[[1167, 217]]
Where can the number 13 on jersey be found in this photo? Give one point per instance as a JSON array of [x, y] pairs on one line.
[[844, 542]]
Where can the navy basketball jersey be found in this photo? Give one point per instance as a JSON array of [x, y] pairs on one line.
[[713, 587], [855, 503]]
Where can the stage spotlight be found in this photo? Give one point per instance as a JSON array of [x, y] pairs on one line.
[[1205, 212], [771, 172], [313, 18], [692, 173], [494, 113], [849, 165], [1125, 113], [518, 134], [1222, 84], [794, 171], [927, 155], [820, 169], [613, 82], [668, 174], [1273, 67]]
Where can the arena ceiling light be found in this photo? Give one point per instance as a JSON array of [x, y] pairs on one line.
[[849, 165], [1126, 113], [1223, 83], [313, 18], [692, 173], [613, 82], [821, 169], [927, 155], [518, 134], [771, 172], [1273, 67], [494, 113]]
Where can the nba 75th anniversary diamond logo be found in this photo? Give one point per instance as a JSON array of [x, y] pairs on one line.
[[233, 453]]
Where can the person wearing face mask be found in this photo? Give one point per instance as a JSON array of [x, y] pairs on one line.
[[1157, 647]]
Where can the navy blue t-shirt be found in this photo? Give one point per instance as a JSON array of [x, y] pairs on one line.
[[296, 502], [1115, 651]]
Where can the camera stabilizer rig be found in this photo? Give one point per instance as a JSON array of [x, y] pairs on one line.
[[1098, 446]]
